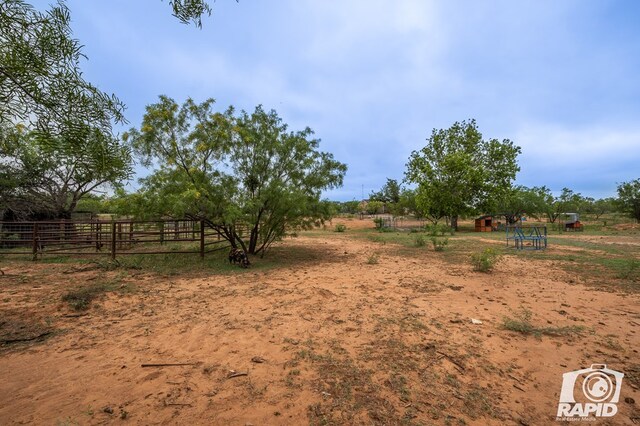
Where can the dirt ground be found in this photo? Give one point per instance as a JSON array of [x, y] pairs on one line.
[[346, 331]]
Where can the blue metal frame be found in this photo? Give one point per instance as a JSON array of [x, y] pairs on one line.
[[537, 235]]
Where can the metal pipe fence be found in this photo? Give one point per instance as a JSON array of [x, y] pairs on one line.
[[121, 237]]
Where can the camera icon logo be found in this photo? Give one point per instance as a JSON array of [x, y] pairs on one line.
[[600, 388]]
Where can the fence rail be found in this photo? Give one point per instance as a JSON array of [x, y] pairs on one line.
[[120, 237]]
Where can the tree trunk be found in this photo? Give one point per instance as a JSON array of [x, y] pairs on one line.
[[454, 222], [253, 240]]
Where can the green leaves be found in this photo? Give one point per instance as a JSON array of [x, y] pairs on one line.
[[40, 79], [390, 192], [48, 176], [629, 198], [230, 168], [190, 11], [459, 173]]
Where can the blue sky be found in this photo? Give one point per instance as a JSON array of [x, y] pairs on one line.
[[372, 78]]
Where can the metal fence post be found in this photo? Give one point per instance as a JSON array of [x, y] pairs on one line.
[[113, 240], [202, 239], [35, 240]]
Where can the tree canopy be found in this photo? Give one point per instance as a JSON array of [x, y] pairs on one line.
[[231, 168], [47, 178], [389, 193], [629, 198], [41, 85], [459, 173], [521, 200]]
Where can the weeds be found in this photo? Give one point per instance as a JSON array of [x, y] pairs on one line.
[[420, 241], [373, 259], [80, 299], [477, 403], [350, 392], [522, 324], [439, 243], [485, 260], [439, 229], [340, 227], [628, 269], [378, 239]]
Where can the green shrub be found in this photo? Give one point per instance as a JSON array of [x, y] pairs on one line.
[[439, 229], [341, 227], [379, 222], [420, 241], [485, 260], [439, 243]]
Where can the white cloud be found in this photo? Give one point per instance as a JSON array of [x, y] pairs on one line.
[[581, 158], [373, 77]]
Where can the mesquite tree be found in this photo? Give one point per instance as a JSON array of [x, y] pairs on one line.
[[249, 177], [41, 84], [46, 178]]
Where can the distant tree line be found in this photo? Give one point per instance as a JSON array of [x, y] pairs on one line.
[[459, 173]]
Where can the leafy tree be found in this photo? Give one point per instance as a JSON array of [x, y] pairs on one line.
[[629, 198], [570, 201], [390, 192], [231, 170], [47, 178], [348, 207], [548, 204], [567, 201], [432, 204], [520, 200], [409, 204], [459, 173], [40, 80], [374, 207], [94, 204], [600, 206]]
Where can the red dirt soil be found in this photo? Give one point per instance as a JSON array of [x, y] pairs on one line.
[[337, 340]]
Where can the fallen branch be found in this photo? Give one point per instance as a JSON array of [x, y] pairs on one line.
[[237, 374], [453, 361], [516, 379], [169, 364]]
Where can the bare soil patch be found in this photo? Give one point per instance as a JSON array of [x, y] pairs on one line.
[[326, 337]]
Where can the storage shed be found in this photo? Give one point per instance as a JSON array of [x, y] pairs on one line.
[[485, 224]]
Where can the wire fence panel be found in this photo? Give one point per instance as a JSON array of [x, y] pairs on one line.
[[69, 237]]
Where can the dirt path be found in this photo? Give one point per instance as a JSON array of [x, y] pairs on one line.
[[330, 339]]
